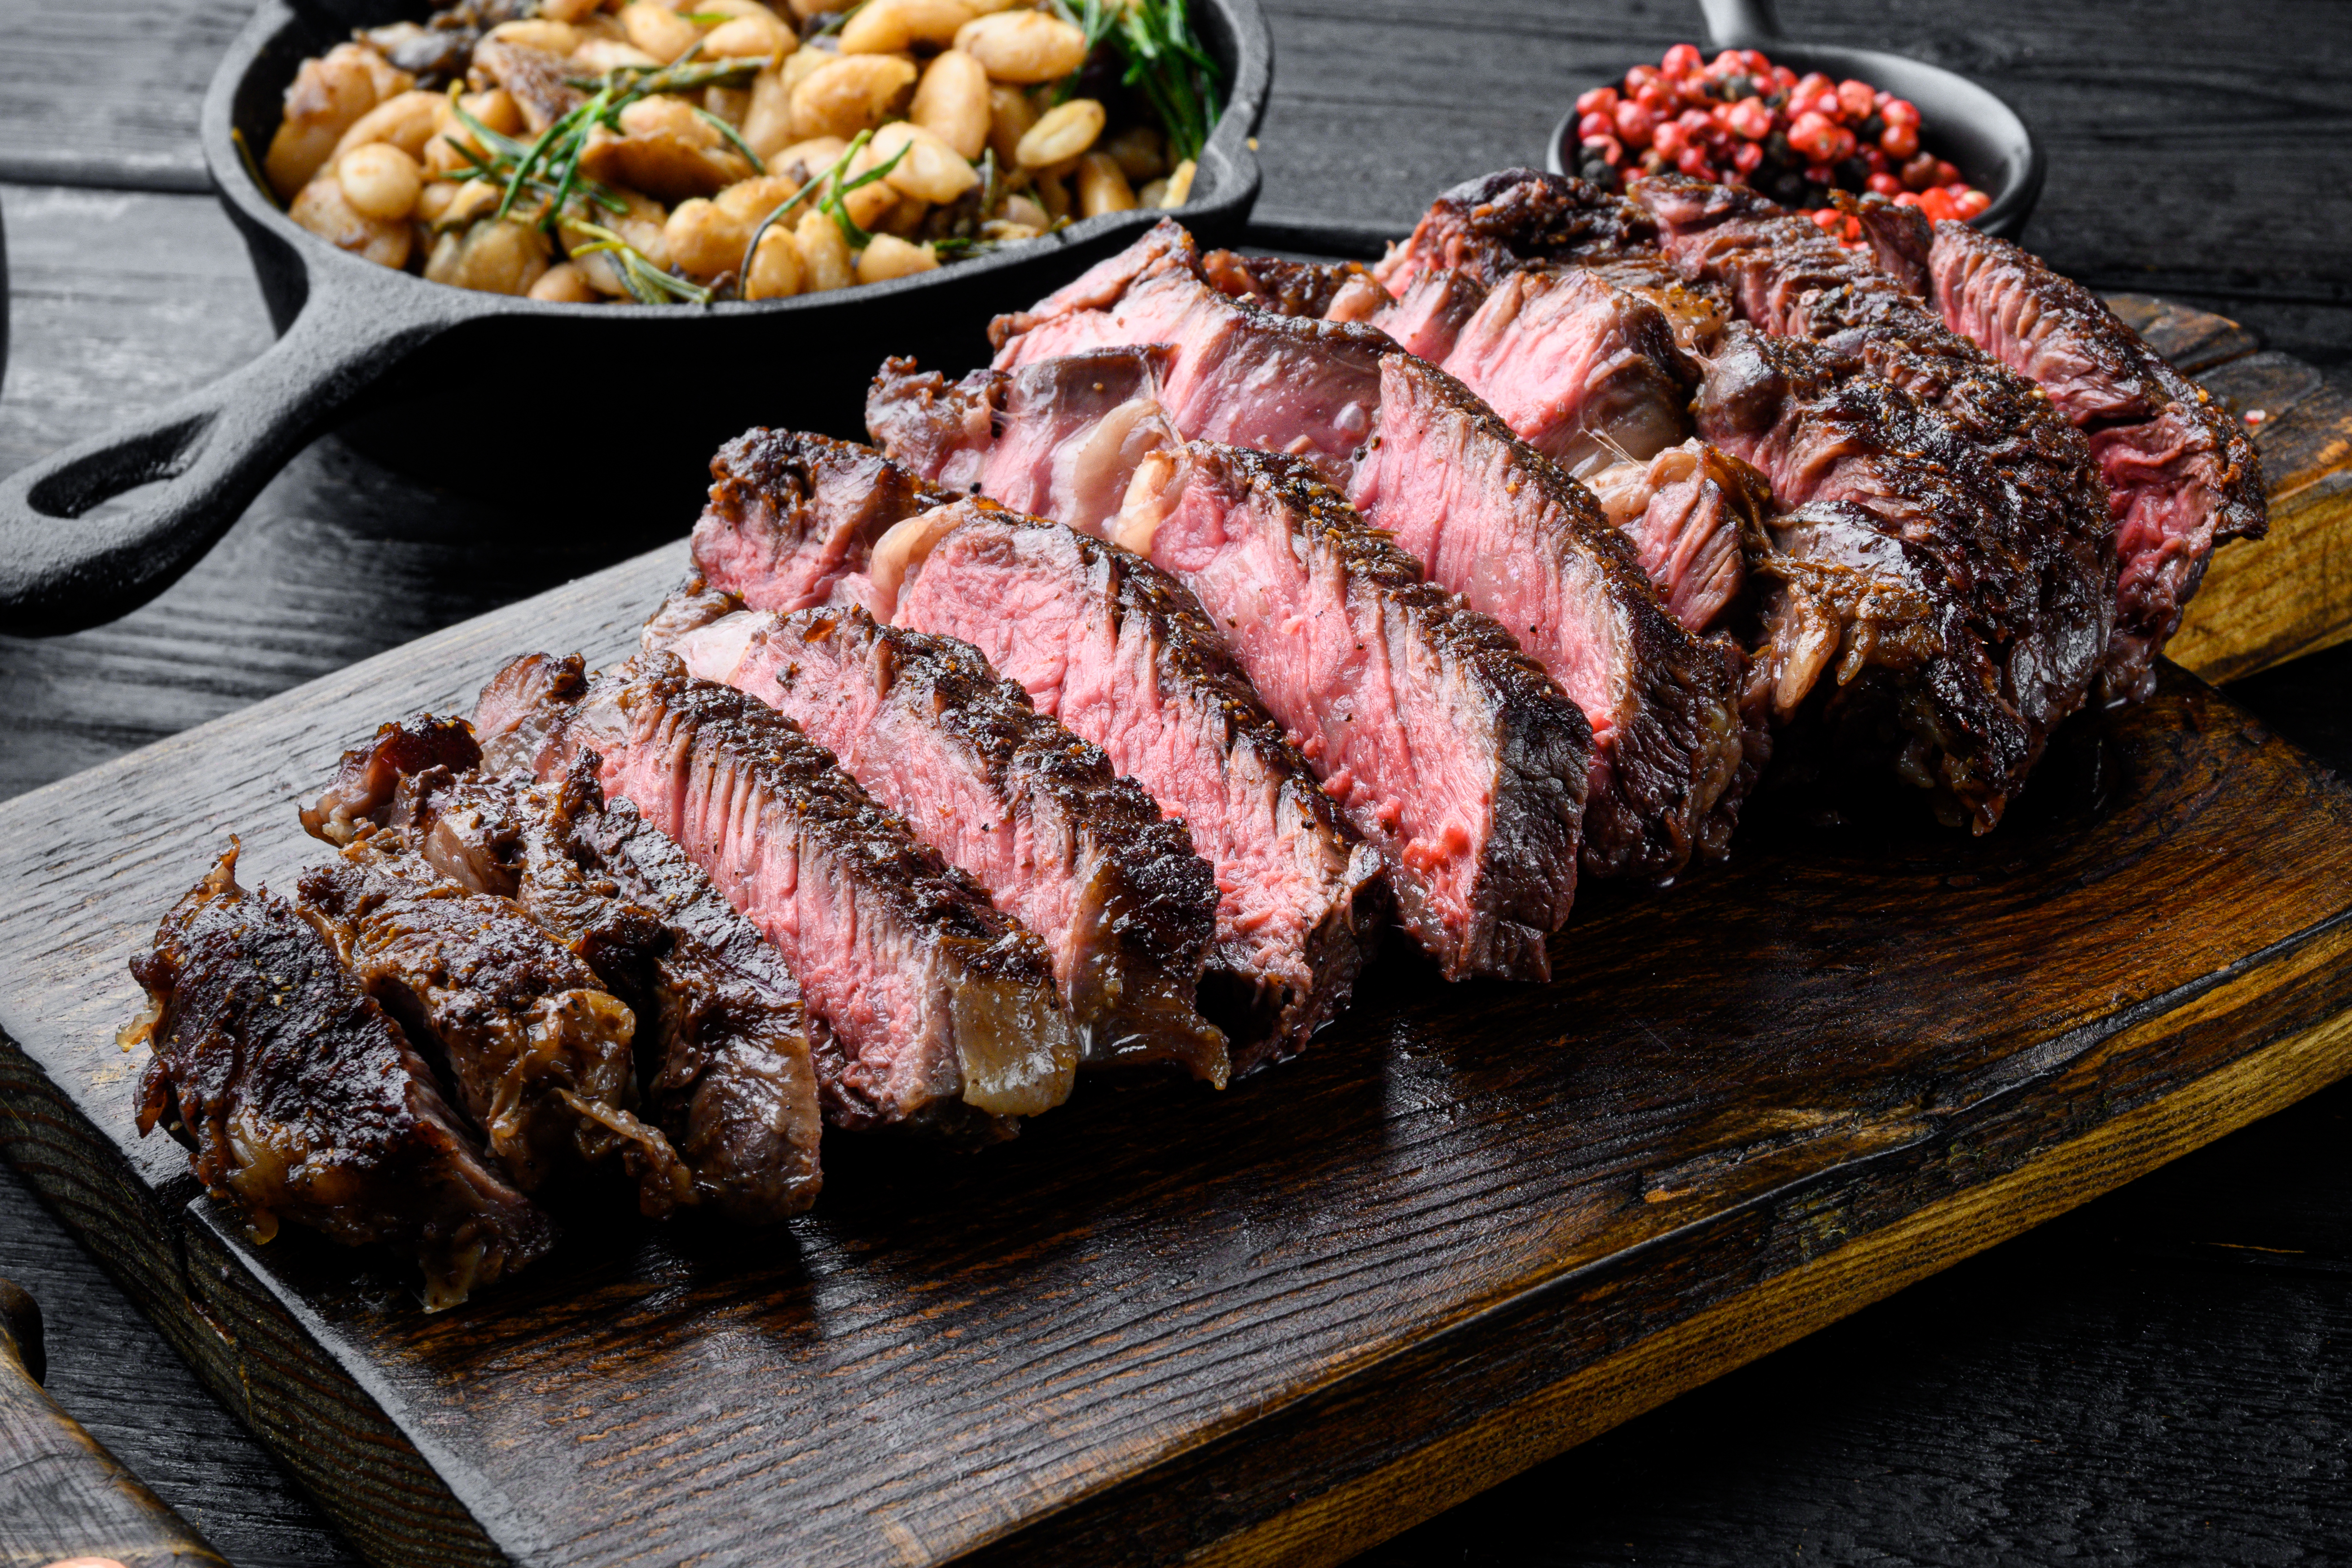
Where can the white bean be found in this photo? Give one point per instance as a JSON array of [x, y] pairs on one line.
[[749, 37], [889, 257], [1024, 47], [951, 103], [1102, 186], [776, 267], [850, 95], [658, 30], [557, 38], [825, 260], [379, 179], [885, 26], [326, 99], [931, 171], [564, 284], [321, 208], [1009, 116], [405, 121], [1060, 134], [704, 239]]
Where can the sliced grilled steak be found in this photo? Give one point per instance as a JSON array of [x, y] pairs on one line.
[[300, 1099], [1124, 655], [721, 1043], [368, 777], [1920, 508], [1287, 287], [1527, 545], [2181, 476], [1790, 278], [778, 535], [940, 1011], [1519, 540], [539, 1050], [1449, 749], [1036, 815]]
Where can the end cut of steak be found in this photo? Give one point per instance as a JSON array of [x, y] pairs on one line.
[[721, 1043], [1124, 655], [2181, 475], [540, 1053], [1447, 747], [778, 537], [368, 777], [1789, 278], [301, 1099], [1692, 513], [1038, 817], [940, 1011]]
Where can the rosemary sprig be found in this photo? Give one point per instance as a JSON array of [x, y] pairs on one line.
[[831, 204], [647, 283], [1167, 63], [815, 184], [1096, 21], [734, 136]]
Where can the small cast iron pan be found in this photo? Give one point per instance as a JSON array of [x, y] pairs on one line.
[[558, 407], [1981, 136]]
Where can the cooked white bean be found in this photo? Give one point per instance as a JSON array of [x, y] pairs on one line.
[[405, 121], [768, 122], [825, 260], [1060, 134], [776, 267], [889, 257], [751, 37], [658, 30], [1180, 185], [574, 11], [704, 239], [557, 38], [1009, 116], [805, 161], [379, 179], [850, 95], [1027, 211], [951, 103], [1052, 194], [390, 80], [754, 199], [497, 255], [1102, 186], [563, 284], [326, 98], [931, 171], [1024, 47], [321, 208], [598, 55], [885, 26]]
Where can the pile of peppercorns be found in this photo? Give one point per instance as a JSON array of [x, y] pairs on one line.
[[1739, 119]]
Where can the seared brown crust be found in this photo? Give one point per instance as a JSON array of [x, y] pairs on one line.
[[2198, 475], [301, 1099], [368, 775], [1679, 752], [1153, 891], [778, 536], [1264, 1016], [1526, 878], [1491, 227], [1284, 288], [1788, 277], [924, 421]]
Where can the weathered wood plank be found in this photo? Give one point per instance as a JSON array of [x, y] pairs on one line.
[[1168, 1312]]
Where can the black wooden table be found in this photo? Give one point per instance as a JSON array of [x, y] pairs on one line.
[[2161, 1376]]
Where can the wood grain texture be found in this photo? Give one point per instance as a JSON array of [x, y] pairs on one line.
[[62, 1495], [1140, 1329]]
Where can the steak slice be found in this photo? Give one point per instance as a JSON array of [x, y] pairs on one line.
[[1915, 507], [721, 1046], [2181, 475], [1519, 540], [940, 1011], [539, 1050], [1124, 655], [1036, 815], [791, 514], [1787, 276], [1448, 749], [300, 1098]]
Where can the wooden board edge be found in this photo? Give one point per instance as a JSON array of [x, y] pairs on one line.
[[255, 1357], [1358, 1515], [2266, 602]]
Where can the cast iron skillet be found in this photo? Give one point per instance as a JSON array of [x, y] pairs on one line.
[[1960, 120], [556, 406]]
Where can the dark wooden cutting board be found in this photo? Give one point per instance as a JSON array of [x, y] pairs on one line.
[[1474, 1226]]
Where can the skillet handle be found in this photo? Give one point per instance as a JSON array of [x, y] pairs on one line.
[[201, 460], [1741, 24]]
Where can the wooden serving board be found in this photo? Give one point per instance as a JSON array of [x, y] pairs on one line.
[[1471, 1227]]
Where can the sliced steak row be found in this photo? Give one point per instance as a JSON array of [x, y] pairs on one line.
[[940, 1011], [1447, 747], [1122, 655], [2051, 594], [2181, 475], [1318, 390], [721, 1038], [301, 1099], [1036, 815]]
